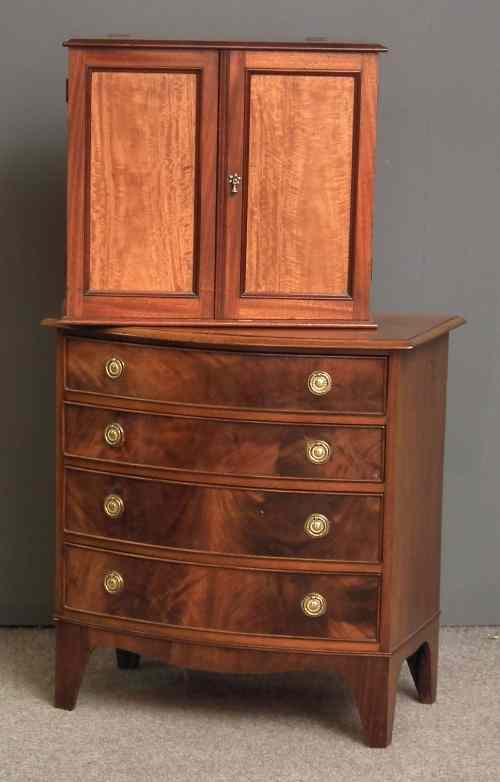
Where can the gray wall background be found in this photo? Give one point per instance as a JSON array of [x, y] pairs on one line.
[[436, 249]]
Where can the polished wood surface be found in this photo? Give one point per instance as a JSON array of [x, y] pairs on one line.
[[72, 653], [223, 379], [414, 498], [395, 332], [142, 151], [226, 447], [296, 240], [126, 42], [212, 539], [143, 182], [372, 678], [299, 184], [154, 231], [423, 665], [212, 597], [227, 521]]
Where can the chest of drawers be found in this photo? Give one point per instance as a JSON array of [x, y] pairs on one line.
[[253, 500]]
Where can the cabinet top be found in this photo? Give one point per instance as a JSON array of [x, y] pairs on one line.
[[314, 43], [394, 332]]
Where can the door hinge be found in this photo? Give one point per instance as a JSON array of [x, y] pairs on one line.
[[67, 90]]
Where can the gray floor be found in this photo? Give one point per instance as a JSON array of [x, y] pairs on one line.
[[158, 724]]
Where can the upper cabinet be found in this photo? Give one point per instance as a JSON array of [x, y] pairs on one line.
[[218, 182]]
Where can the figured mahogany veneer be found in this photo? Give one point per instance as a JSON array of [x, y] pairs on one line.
[[218, 598], [209, 542], [227, 379], [228, 521], [226, 447]]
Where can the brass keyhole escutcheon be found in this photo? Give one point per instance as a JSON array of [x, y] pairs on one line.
[[114, 506], [314, 605], [235, 181], [317, 525], [114, 435], [113, 582], [319, 383], [318, 451], [115, 368]]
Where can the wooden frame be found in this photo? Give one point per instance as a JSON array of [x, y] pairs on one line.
[[222, 73], [113, 305], [353, 305], [408, 611]]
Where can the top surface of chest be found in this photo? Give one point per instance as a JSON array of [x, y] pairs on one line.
[[220, 181]]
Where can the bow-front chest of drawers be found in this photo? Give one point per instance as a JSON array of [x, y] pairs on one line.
[[253, 500]]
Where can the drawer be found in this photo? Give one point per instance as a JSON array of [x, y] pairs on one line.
[[226, 447], [343, 527], [226, 379], [228, 599]]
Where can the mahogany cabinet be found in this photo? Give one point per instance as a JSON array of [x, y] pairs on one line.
[[248, 479], [217, 182], [282, 514]]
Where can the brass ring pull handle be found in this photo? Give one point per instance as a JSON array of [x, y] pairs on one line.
[[114, 582], [318, 451], [319, 383], [114, 435], [115, 368], [314, 605], [317, 525], [114, 506]]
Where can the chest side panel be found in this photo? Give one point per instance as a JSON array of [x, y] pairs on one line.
[[414, 488]]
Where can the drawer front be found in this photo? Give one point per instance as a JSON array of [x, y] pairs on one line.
[[231, 600], [224, 379], [226, 447], [343, 527]]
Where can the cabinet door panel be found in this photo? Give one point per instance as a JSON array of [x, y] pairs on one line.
[[298, 232], [142, 152], [143, 139], [299, 184]]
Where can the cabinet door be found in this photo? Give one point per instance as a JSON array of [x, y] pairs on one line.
[[141, 189], [300, 134]]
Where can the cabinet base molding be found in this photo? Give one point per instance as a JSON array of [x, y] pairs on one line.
[[371, 677]]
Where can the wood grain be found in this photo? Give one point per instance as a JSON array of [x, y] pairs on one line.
[[142, 182], [423, 665], [396, 331], [415, 483], [223, 379], [150, 189], [326, 241], [127, 42], [371, 677], [215, 447], [146, 251], [212, 597], [72, 654], [228, 521], [299, 184], [276, 483]]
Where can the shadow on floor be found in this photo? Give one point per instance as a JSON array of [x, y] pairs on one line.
[[285, 697]]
